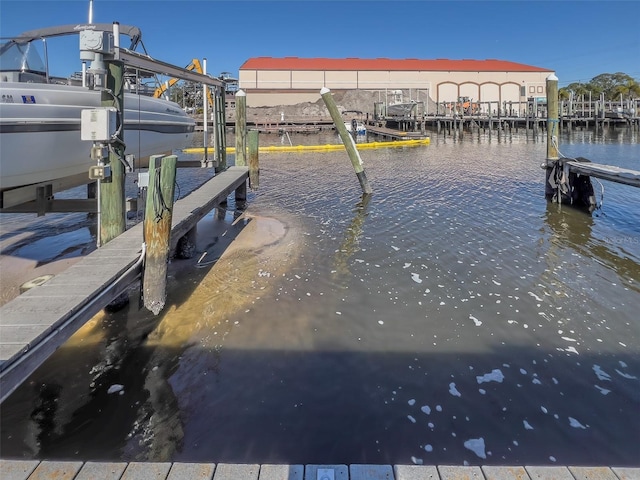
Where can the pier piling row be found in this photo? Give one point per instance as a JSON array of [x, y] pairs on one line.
[[35, 324]]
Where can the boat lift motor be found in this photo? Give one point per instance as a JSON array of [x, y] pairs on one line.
[[94, 45]]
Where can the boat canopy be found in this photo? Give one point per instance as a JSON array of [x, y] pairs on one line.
[[21, 61], [132, 32]]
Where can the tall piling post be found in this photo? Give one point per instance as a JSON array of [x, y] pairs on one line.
[[205, 117], [241, 128], [347, 140], [157, 230], [254, 169], [552, 136], [221, 153], [112, 198]]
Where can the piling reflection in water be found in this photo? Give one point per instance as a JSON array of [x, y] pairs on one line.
[[453, 316]]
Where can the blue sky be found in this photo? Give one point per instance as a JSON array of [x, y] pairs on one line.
[[576, 39]]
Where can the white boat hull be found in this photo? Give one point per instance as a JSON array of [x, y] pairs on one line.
[[401, 109], [40, 130]]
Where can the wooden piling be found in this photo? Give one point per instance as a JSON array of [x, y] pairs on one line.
[[157, 230], [254, 168], [221, 144], [241, 128], [205, 117], [112, 198], [552, 135], [347, 140]]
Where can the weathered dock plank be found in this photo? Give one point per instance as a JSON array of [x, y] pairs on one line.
[[190, 210], [606, 172], [17, 469], [326, 472], [394, 133], [57, 470], [370, 472], [229, 471], [146, 471], [592, 473], [281, 472], [416, 472], [34, 469], [504, 473], [549, 473], [627, 473], [35, 324], [191, 471], [448, 472], [101, 470]]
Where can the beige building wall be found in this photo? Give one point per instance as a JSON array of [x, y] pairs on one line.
[[282, 87]]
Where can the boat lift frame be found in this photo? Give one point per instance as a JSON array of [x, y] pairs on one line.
[[38, 198]]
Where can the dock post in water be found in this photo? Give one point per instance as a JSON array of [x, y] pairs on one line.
[[552, 163], [157, 230], [221, 144], [112, 198], [205, 123], [563, 185], [254, 166], [241, 128], [347, 139]]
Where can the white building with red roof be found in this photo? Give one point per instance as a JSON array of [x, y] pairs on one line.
[[286, 81]]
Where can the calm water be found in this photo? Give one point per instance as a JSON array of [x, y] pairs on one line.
[[453, 316]]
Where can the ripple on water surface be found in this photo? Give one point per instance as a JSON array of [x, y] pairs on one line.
[[451, 317]]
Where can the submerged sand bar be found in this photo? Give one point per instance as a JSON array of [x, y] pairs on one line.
[[35, 324]]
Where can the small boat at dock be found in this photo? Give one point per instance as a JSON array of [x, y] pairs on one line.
[[355, 126], [397, 107]]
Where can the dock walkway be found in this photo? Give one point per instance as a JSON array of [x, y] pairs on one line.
[[35, 324], [36, 470], [394, 133], [606, 172]]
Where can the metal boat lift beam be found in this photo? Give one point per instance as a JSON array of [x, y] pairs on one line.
[[145, 63]]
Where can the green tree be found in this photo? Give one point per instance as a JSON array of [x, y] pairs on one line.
[[611, 84], [614, 84], [578, 89]]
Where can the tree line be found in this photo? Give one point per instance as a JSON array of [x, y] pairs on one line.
[[613, 85]]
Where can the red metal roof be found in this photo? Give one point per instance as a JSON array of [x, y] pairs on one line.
[[387, 64]]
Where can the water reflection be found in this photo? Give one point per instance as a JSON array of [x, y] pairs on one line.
[[572, 230], [350, 244], [452, 307]]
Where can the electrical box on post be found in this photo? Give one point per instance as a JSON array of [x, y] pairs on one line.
[[98, 124]]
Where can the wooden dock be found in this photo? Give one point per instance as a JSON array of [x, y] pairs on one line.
[[35, 324], [36, 470], [605, 172], [394, 133]]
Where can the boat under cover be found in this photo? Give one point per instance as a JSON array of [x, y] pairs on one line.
[[40, 130], [40, 118]]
